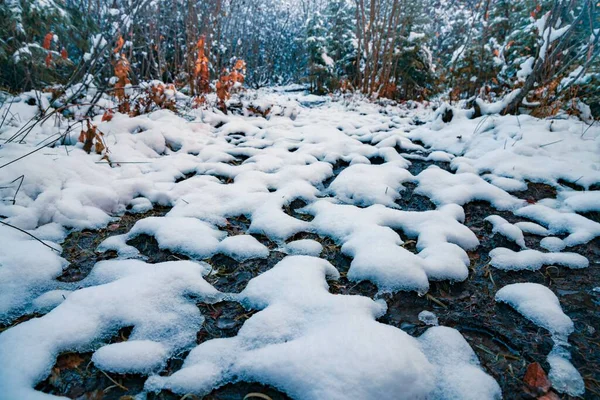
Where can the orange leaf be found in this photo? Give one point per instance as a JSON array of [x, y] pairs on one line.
[[536, 380], [99, 146], [119, 44], [48, 40], [107, 116]]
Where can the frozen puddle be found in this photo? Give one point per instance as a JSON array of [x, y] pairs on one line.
[[264, 201]]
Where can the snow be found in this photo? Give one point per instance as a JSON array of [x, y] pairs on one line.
[[428, 318], [27, 270], [180, 235], [584, 201], [443, 187], [242, 248], [152, 298], [508, 184], [505, 228], [457, 369], [553, 244], [323, 168], [365, 185], [541, 306], [307, 247], [132, 356], [368, 237], [532, 228], [302, 322], [580, 229], [538, 304], [564, 376], [508, 260]]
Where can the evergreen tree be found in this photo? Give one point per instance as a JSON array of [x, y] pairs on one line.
[[320, 63], [341, 37]]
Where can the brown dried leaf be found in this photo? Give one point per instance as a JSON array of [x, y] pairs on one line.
[[535, 379], [69, 361], [99, 146], [107, 116], [119, 44]]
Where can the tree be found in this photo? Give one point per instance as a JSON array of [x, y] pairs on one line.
[[320, 63]]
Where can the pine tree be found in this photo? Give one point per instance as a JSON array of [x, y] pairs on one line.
[[319, 62], [341, 37]]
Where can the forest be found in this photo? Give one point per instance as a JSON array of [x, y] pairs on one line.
[[537, 54]]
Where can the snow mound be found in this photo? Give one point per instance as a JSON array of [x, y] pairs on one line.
[[506, 229], [153, 298], [242, 248], [538, 304], [26, 270], [508, 260], [369, 236], [443, 187], [457, 371], [306, 247], [302, 322], [365, 185]]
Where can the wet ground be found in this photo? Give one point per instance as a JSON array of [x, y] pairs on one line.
[[505, 342]]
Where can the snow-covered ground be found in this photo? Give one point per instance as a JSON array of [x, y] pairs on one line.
[[349, 163]]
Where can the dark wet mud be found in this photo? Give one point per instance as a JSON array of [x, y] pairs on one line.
[[79, 248]]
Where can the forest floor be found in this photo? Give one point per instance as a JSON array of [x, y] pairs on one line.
[[194, 267]]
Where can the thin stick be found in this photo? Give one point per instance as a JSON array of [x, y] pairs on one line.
[[113, 381], [587, 129], [123, 162], [548, 144], [22, 178], [29, 234]]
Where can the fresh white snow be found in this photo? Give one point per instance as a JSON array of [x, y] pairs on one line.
[[333, 168]]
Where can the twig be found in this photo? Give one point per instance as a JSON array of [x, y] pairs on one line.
[[548, 144], [113, 381], [22, 177], [29, 234], [257, 395], [122, 162], [33, 151], [436, 301], [587, 129]]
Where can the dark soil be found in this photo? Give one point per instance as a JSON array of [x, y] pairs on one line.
[[79, 248], [536, 192], [417, 166], [410, 201], [232, 276], [148, 246]]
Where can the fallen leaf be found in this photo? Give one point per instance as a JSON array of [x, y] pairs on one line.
[[536, 381]]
